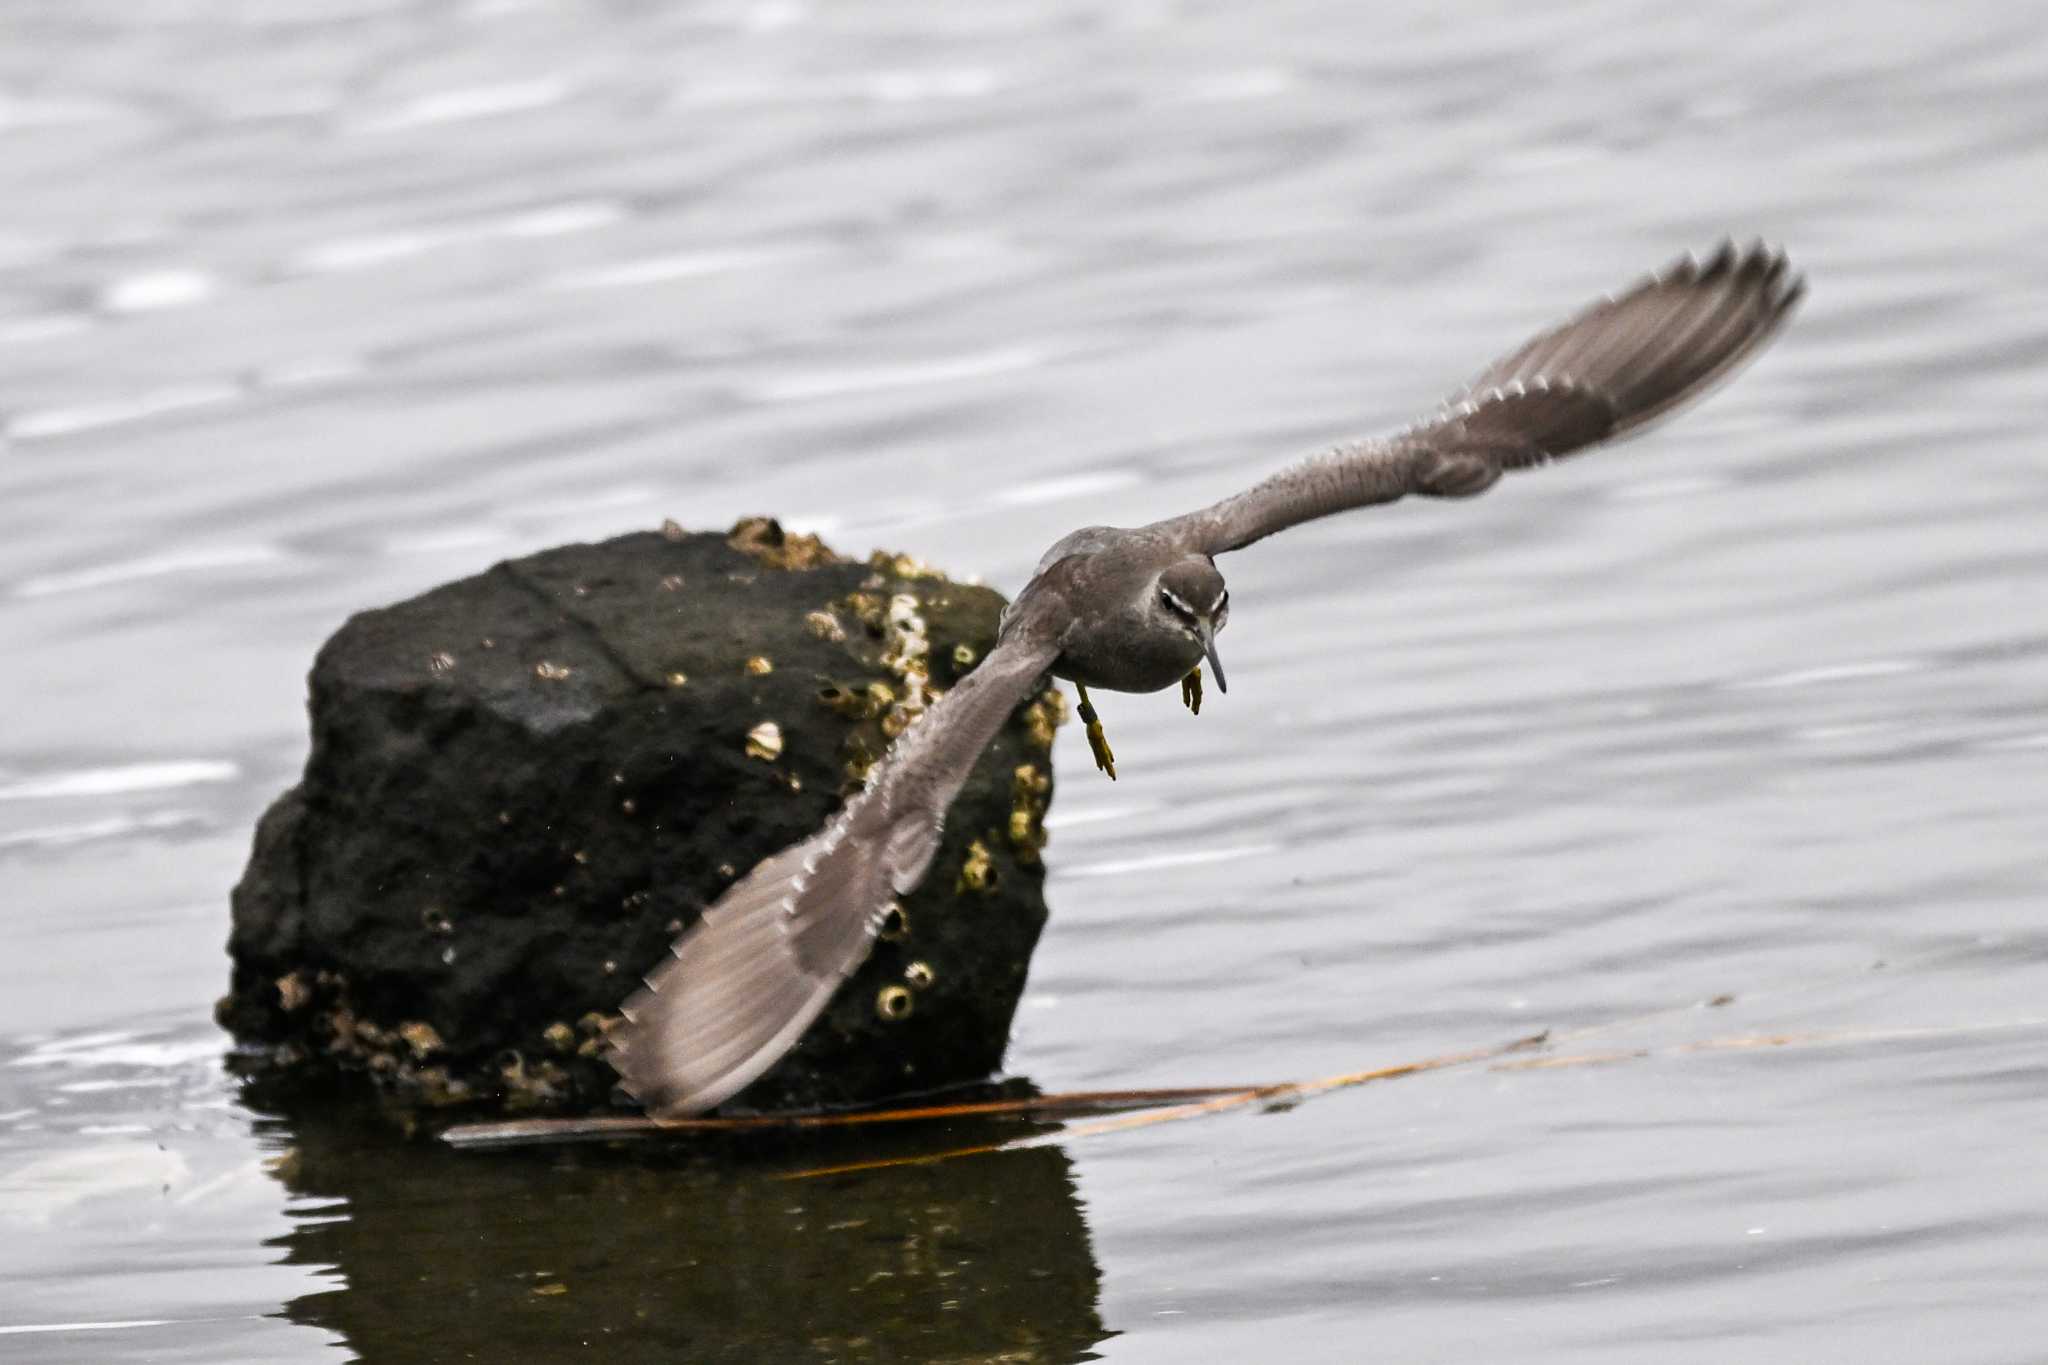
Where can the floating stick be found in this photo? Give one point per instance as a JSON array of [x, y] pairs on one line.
[[1286, 1095], [522, 1132]]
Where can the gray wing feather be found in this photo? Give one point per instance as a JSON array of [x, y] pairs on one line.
[[1607, 372], [742, 984]]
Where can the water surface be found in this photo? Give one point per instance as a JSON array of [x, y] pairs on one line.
[[308, 306]]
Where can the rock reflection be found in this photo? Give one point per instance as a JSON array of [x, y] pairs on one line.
[[687, 1251]]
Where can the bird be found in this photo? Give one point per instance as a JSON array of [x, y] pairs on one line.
[[1138, 610]]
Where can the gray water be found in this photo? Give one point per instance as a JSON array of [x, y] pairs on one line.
[[307, 306]]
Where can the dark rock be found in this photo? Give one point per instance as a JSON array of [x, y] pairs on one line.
[[524, 784]]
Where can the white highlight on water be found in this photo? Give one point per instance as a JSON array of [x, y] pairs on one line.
[[1067, 817], [89, 831], [1195, 857], [1831, 673], [117, 1047], [840, 383], [69, 421], [682, 265], [1061, 487], [463, 105], [191, 560], [123, 780], [157, 290], [386, 248]]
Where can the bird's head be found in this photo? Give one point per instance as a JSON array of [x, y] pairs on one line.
[[1191, 595]]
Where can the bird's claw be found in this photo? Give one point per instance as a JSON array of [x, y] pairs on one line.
[[1191, 690], [1098, 742]]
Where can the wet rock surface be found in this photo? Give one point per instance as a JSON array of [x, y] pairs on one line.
[[522, 785]]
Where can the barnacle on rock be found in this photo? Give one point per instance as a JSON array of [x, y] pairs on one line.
[[764, 741], [1030, 792], [907, 654], [293, 992], [860, 760], [530, 1085], [1044, 717], [902, 565], [868, 608], [825, 626], [895, 924], [909, 648], [432, 1085], [764, 540], [421, 1037], [977, 872], [1056, 706], [893, 1003], [855, 703]]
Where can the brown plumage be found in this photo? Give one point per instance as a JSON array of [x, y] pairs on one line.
[[1135, 610]]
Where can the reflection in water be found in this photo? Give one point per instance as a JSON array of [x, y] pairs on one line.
[[690, 1252]]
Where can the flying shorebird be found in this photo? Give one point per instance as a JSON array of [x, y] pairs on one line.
[[1138, 610]]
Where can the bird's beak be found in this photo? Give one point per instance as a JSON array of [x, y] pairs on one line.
[[1208, 633]]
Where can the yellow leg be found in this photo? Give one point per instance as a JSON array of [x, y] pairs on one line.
[[1191, 690], [1097, 741]]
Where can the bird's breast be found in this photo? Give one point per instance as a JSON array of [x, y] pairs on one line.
[[1128, 661]]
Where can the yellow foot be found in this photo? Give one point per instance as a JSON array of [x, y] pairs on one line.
[[1191, 690], [1097, 741]]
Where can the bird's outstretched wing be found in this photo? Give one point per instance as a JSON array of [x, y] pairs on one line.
[[1613, 369], [742, 984]]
